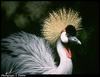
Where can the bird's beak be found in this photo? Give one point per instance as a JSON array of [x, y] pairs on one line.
[[74, 40], [78, 41]]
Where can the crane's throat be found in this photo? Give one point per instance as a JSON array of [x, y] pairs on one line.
[[68, 52]]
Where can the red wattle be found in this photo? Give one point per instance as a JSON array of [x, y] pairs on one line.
[[68, 53]]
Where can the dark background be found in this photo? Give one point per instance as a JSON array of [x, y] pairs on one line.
[[28, 16]]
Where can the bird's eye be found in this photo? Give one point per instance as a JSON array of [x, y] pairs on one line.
[[73, 39]]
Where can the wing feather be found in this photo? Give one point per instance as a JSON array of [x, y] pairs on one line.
[[28, 54]]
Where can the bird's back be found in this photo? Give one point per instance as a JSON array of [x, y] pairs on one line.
[[24, 53]]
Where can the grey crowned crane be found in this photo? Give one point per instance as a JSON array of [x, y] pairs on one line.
[[25, 53]]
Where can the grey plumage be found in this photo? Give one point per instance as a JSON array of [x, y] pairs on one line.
[[25, 53]]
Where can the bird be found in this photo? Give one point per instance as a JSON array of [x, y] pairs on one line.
[[26, 53]]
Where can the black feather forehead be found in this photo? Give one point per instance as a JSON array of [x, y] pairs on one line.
[[70, 30]]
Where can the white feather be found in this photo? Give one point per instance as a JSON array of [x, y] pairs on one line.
[[28, 54], [64, 37]]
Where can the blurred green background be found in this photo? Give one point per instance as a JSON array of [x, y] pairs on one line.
[[29, 16]]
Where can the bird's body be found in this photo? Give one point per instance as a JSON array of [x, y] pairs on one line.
[[25, 53], [28, 54]]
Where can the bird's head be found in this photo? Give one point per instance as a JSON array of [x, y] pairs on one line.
[[62, 24], [69, 35]]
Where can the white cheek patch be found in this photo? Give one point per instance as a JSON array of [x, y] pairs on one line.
[[64, 37]]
